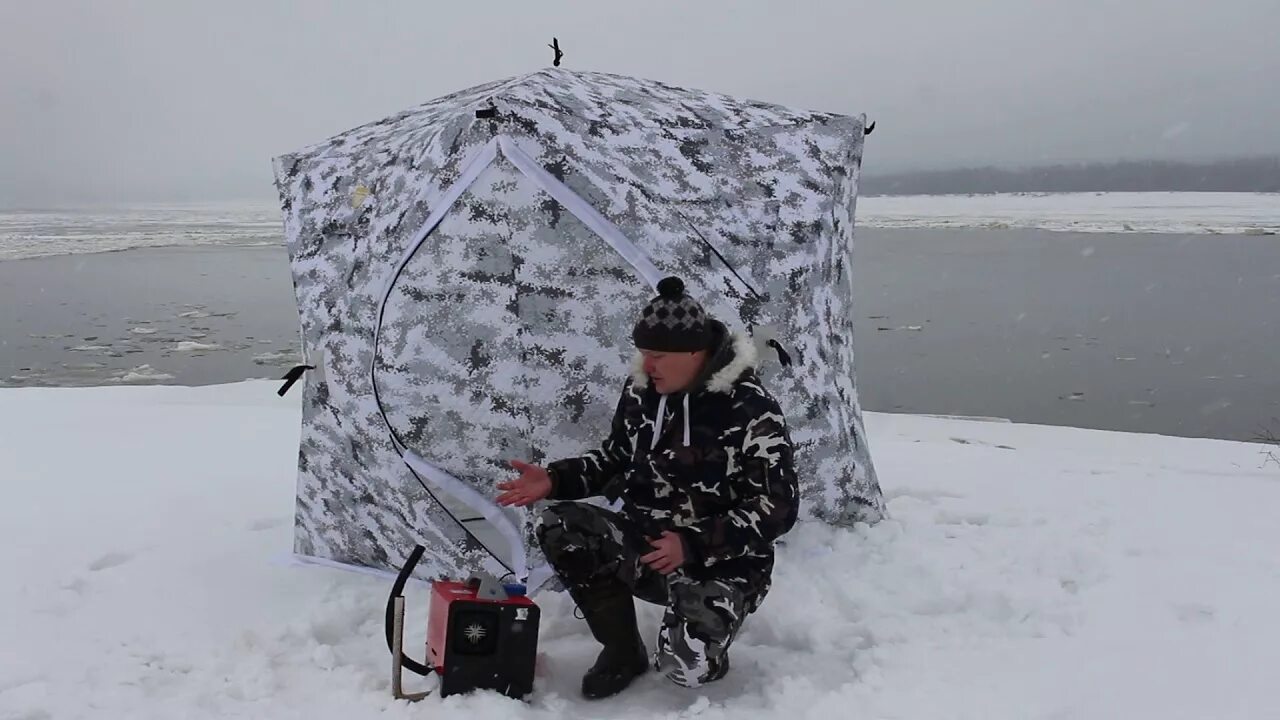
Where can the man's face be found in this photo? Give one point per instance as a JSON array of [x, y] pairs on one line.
[[672, 371]]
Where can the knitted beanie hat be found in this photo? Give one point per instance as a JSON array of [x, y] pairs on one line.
[[672, 321]]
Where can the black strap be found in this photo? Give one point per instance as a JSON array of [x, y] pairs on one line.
[[396, 591], [292, 377], [783, 357], [722, 258]]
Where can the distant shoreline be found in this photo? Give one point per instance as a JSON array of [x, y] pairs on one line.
[[1115, 213], [1247, 174], [1258, 174]]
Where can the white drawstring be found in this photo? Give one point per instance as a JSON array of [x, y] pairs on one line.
[[657, 423], [686, 420]]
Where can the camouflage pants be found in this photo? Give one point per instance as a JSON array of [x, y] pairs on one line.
[[587, 544]]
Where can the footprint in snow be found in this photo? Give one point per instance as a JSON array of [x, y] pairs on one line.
[[948, 517], [921, 494], [1195, 613], [267, 524], [110, 560], [965, 441], [76, 585]]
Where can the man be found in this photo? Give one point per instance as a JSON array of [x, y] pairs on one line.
[[700, 457]]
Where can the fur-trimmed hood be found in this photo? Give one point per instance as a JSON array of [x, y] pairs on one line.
[[734, 354]]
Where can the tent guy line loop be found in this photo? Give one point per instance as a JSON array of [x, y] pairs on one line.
[[292, 377]]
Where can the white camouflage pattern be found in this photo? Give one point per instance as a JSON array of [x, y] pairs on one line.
[[508, 333]]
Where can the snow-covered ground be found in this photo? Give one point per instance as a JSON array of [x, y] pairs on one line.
[[1140, 212], [1027, 572]]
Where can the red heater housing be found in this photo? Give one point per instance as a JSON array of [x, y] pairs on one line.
[[481, 635], [476, 642]]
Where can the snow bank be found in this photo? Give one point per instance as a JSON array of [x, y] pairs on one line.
[[1137, 212], [1027, 572]]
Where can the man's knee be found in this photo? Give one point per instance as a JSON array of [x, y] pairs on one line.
[[577, 540], [550, 519], [566, 524], [557, 535]]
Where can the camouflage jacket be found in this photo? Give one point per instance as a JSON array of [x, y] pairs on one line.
[[720, 472]]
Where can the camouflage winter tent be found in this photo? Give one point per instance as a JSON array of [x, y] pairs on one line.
[[467, 274]]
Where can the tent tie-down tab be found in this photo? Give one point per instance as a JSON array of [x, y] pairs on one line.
[[291, 377]]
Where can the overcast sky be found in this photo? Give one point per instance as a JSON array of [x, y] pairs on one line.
[[188, 100]]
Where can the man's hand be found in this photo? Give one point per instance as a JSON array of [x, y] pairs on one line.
[[533, 485], [668, 553]]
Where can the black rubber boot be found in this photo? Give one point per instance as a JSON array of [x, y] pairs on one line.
[[719, 669], [610, 612]]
